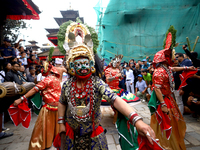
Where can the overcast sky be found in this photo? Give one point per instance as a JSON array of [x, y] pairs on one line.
[[50, 9]]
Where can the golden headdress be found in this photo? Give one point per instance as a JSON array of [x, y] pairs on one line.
[[76, 39]]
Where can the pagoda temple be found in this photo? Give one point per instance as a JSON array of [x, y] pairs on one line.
[[67, 15], [33, 46]]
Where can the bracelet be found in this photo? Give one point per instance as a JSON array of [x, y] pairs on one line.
[[186, 68], [61, 117], [61, 121], [23, 97], [163, 105], [132, 113], [163, 102], [133, 118], [136, 119]]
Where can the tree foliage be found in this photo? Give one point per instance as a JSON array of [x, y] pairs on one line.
[[11, 29]]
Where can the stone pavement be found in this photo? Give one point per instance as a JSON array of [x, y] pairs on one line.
[[21, 137]]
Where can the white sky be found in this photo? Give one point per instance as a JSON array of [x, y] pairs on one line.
[[50, 9]]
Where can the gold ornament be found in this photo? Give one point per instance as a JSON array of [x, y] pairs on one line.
[[93, 70]]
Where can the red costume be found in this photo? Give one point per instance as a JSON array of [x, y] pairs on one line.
[[46, 126], [169, 129]]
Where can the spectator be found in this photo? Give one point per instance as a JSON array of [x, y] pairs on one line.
[[21, 49], [31, 76], [12, 59], [178, 93], [149, 91], [182, 61], [151, 70], [140, 64], [129, 80], [131, 64], [23, 59], [39, 76], [193, 56], [27, 69], [141, 88], [22, 73], [146, 76], [145, 65], [16, 48], [13, 75], [6, 68], [32, 60], [136, 72], [194, 105], [6, 51], [122, 81]]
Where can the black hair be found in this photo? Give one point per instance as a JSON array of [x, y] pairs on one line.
[[23, 52], [12, 58], [14, 62], [144, 70], [98, 66], [180, 54]]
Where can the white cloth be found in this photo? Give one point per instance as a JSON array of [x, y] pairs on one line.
[[40, 77], [179, 101], [130, 76], [58, 61], [1, 78], [17, 52], [24, 61]]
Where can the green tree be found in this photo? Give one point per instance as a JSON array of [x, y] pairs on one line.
[[11, 29]]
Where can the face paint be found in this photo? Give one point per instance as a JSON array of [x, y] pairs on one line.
[[82, 66]]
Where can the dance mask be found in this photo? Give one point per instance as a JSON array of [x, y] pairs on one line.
[[78, 45], [116, 60]]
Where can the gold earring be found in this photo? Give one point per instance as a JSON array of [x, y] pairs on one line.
[[72, 72], [93, 70]]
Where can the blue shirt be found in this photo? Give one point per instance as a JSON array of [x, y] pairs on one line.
[[146, 66], [141, 85], [9, 51], [186, 62]]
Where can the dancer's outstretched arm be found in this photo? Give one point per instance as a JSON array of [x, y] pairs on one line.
[[141, 127]]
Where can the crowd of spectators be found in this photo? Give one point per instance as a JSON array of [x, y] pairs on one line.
[[17, 65], [137, 79]]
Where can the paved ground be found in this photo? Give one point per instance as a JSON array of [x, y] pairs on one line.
[[21, 137]]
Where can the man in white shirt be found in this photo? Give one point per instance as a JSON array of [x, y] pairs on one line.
[[129, 80]]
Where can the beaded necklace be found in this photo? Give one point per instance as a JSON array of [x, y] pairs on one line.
[[171, 78], [88, 94]]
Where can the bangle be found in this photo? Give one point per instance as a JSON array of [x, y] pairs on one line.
[[163, 105], [132, 113], [61, 117], [23, 98], [133, 118], [136, 119], [61, 121], [163, 102]]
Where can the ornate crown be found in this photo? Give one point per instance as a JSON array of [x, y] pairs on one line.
[[76, 39]]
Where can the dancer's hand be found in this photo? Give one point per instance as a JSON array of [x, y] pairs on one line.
[[143, 128], [62, 128], [165, 109], [17, 102]]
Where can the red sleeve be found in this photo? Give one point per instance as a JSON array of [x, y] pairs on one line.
[[42, 85], [158, 79], [107, 72]]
